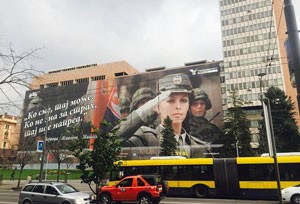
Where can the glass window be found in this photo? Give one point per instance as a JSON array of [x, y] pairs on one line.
[[66, 188], [126, 183], [51, 190], [39, 189], [28, 188], [140, 182], [256, 172]]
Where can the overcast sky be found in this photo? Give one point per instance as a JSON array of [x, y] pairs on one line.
[[145, 33]]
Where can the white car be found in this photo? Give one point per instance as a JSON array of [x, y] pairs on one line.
[[291, 194]]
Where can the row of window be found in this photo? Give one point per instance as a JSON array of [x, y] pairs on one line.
[[182, 172], [249, 50], [246, 172], [249, 39], [248, 28], [252, 72], [248, 61], [70, 82], [227, 2], [247, 8], [246, 18], [253, 84]]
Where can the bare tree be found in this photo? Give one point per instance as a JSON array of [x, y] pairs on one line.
[[15, 74], [24, 156]]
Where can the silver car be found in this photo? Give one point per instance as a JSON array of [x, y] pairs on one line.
[[56, 193]]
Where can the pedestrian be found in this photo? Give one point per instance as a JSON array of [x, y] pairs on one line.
[[12, 175]]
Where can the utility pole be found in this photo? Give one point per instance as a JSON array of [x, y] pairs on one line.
[[293, 40]]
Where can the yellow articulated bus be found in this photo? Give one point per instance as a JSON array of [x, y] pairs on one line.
[[243, 177]]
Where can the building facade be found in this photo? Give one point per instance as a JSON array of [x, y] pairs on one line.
[[82, 74], [9, 137], [253, 35]]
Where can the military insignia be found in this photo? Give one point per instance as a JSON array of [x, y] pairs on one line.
[[177, 79]]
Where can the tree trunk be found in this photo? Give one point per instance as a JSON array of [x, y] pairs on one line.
[[58, 171], [20, 175]]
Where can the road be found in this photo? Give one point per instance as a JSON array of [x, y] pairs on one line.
[[11, 197]]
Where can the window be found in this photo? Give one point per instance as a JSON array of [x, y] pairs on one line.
[[65, 83], [96, 78], [51, 190], [83, 80], [6, 126], [52, 85], [28, 188], [126, 183], [38, 189], [4, 144], [140, 182], [256, 172]]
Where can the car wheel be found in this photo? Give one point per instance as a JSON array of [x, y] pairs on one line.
[[145, 199], [295, 199], [26, 202], [65, 202], [105, 199], [201, 191]]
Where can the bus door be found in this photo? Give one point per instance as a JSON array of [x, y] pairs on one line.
[[226, 177]]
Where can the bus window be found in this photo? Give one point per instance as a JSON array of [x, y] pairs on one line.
[[256, 172], [289, 172]]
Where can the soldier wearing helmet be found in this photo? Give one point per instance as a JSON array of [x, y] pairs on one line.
[[199, 126], [173, 101], [140, 97], [124, 104]]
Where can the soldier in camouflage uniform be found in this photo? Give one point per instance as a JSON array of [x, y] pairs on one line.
[[173, 89], [139, 98], [124, 104], [200, 127]]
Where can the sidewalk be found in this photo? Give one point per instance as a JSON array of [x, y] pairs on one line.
[[9, 185]]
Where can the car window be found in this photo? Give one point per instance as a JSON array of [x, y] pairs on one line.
[[51, 190], [152, 181], [140, 182], [28, 188], [66, 188], [126, 183], [39, 189]]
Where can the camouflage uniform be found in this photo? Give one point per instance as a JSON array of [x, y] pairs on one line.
[[200, 127], [147, 140]]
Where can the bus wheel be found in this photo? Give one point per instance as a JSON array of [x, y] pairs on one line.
[[295, 199], [201, 191]]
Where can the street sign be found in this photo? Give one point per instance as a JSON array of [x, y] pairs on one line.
[[50, 156], [40, 145]]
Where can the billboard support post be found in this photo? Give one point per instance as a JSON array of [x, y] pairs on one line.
[[44, 139]]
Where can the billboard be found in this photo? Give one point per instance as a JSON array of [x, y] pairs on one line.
[[190, 96]]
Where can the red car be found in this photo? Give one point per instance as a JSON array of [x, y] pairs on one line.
[[146, 189]]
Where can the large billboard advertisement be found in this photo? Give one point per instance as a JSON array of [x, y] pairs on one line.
[[190, 96]]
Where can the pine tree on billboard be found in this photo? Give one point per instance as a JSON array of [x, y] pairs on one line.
[[168, 145], [284, 124], [237, 135]]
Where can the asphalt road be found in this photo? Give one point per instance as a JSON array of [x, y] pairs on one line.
[[11, 197]]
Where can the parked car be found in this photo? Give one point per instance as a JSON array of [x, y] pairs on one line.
[[291, 194], [53, 192], [146, 189]]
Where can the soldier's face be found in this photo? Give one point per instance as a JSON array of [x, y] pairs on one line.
[[175, 106], [198, 108]]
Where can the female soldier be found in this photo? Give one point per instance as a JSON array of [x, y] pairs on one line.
[[173, 101]]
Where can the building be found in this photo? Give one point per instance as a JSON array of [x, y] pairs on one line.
[[82, 74], [253, 35], [9, 138]]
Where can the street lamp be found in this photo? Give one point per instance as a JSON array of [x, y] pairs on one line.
[[44, 139], [270, 134]]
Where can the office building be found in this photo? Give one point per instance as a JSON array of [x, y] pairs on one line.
[[253, 35]]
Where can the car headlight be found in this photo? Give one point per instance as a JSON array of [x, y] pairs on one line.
[[284, 192], [93, 197], [78, 200]]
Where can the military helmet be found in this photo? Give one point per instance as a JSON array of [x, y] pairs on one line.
[[176, 83], [124, 103], [139, 95], [199, 94]]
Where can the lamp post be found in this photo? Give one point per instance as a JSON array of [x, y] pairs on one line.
[[270, 134], [44, 139]]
